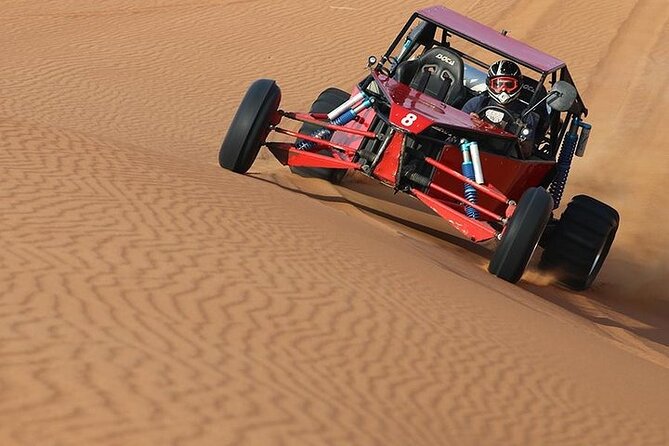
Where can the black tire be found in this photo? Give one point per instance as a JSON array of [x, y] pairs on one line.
[[578, 247], [327, 101], [250, 126], [522, 235]]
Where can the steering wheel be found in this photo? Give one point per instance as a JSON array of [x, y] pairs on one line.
[[508, 117], [506, 114]]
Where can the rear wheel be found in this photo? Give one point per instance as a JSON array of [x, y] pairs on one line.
[[581, 241], [327, 101], [522, 235], [250, 126]]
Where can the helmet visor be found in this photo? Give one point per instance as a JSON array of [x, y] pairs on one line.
[[505, 84]]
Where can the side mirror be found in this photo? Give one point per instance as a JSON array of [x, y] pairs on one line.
[[371, 61], [562, 96]]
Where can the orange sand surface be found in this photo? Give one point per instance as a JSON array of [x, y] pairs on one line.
[[149, 297]]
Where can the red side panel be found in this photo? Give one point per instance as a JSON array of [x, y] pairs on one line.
[[386, 169], [475, 230], [510, 176]]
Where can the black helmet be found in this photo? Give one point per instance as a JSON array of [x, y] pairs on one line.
[[504, 81]]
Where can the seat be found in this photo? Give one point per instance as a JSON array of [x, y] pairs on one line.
[[439, 72], [527, 91]]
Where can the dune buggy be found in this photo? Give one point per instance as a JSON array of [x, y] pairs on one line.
[[402, 125]]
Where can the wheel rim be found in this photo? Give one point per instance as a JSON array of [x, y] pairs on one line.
[[596, 262], [532, 254], [601, 255]]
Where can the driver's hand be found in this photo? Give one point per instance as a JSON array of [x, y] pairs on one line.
[[474, 115]]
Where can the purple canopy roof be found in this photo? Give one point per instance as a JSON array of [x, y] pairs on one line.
[[512, 48]]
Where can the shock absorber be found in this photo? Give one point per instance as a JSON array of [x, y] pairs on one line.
[[468, 170], [339, 116], [564, 162]]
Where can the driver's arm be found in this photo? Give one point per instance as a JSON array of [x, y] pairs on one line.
[[527, 143], [474, 104]]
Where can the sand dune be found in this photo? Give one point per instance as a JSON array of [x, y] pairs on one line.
[[149, 297]]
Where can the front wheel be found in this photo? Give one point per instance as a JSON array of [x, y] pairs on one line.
[[250, 126], [581, 241], [522, 235]]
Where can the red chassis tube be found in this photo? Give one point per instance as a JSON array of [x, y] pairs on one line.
[[476, 230], [319, 142], [455, 196], [486, 190], [313, 119], [287, 154]]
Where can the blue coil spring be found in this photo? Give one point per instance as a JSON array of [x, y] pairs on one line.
[[323, 133], [318, 133], [564, 163], [470, 192]]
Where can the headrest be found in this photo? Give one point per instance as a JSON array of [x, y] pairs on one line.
[[444, 58]]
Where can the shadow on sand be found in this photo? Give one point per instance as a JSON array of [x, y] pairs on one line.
[[646, 318]]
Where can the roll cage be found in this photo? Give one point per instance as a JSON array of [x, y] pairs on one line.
[[439, 26]]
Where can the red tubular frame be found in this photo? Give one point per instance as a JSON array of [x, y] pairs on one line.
[[305, 117], [466, 202], [319, 142], [474, 229], [286, 153], [486, 190]]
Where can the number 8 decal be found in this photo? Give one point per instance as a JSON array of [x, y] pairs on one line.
[[409, 120]]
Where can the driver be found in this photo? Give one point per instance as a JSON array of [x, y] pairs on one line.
[[503, 85]]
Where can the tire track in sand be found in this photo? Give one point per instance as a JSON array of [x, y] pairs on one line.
[[147, 318]]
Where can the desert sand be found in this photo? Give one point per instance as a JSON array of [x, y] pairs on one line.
[[149, 297]]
